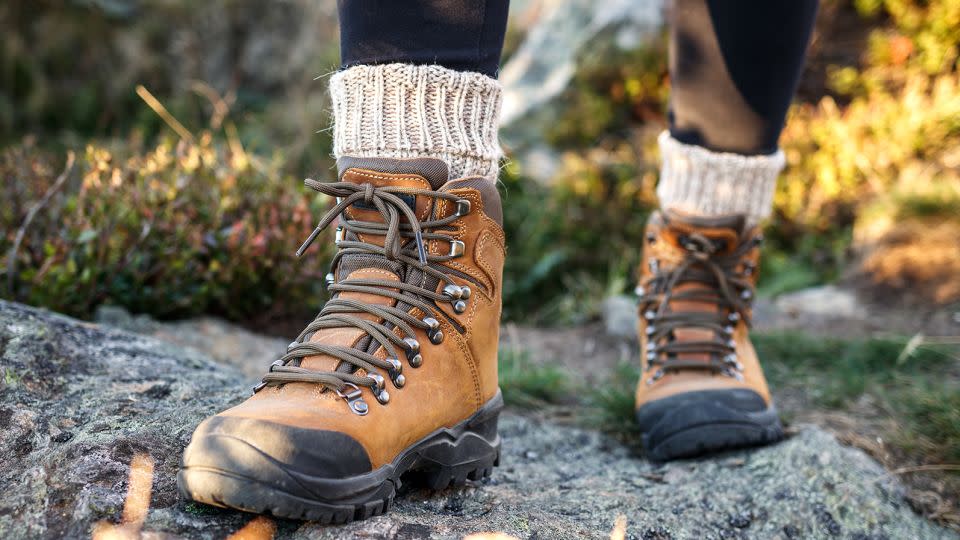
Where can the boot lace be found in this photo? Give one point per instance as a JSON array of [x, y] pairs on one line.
[[720, 284], [392, 204]]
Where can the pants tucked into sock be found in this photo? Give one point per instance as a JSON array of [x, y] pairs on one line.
[[408, 111], [417, 82]]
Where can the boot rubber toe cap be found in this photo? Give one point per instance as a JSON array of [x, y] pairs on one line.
[[274, 455]]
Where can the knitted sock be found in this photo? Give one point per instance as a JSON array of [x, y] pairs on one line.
[[410, 111], [699, 181]]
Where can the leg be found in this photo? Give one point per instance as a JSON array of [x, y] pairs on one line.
[[734, 68], [396, 379], [419, 81], [462, 35]]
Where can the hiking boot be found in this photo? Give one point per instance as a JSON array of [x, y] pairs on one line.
[[397, 375], [702, 388]]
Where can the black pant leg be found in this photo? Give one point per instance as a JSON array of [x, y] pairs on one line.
[[734, 68], [465, 35]]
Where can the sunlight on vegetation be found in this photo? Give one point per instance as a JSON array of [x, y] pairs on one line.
[[525, 384]]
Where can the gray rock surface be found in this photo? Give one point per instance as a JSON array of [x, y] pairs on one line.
[[78, 401], [546, 60], [620, 318], [823, 301], [553, 50], [224, 342]]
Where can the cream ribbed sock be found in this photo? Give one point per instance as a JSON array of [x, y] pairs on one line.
[[696, 180], [408, 111]]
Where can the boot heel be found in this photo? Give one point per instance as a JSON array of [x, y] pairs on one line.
[[452, 458], [445, 476]]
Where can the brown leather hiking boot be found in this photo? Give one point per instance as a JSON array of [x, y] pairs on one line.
[[702, 388], [397, 375]]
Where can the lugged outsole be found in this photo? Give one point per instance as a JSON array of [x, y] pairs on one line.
[[698, 423], [445, 458]]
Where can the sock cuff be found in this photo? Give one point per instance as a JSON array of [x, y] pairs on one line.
[[405, 111], [694, 179]]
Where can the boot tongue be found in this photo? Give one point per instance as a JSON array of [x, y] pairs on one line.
[[420, 173], [433, 172], [725, 232]]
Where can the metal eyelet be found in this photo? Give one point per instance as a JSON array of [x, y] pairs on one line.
[[729, 372], [639, 290], [731, 360], [259, 386], [651, 329], [383, 397], [746, 294], [656, 377], [651, 356], [465, 292], [457, 248], [434, 333], [651, 346], [395, 372], [649, 315], [453, 291], [378, 381], [728, 330], [339, 235], [463, 207], [413, 352], [330, 279], [354, 399], [733, 317], [654, 266], [292, 344], [456, 295], [415, 361]]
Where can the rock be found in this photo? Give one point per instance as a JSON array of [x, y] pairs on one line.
[[827, 301], [227, 343], [620, 317], [549, 57], [80, 403], [546, 60]]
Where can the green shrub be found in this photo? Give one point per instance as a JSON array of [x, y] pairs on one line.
[[525, 384], [173, 230]]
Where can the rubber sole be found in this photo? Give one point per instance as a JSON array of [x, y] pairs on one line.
[[696, 423], [447, 457]]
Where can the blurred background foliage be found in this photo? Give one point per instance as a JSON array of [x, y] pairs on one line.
[[192, 203]]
